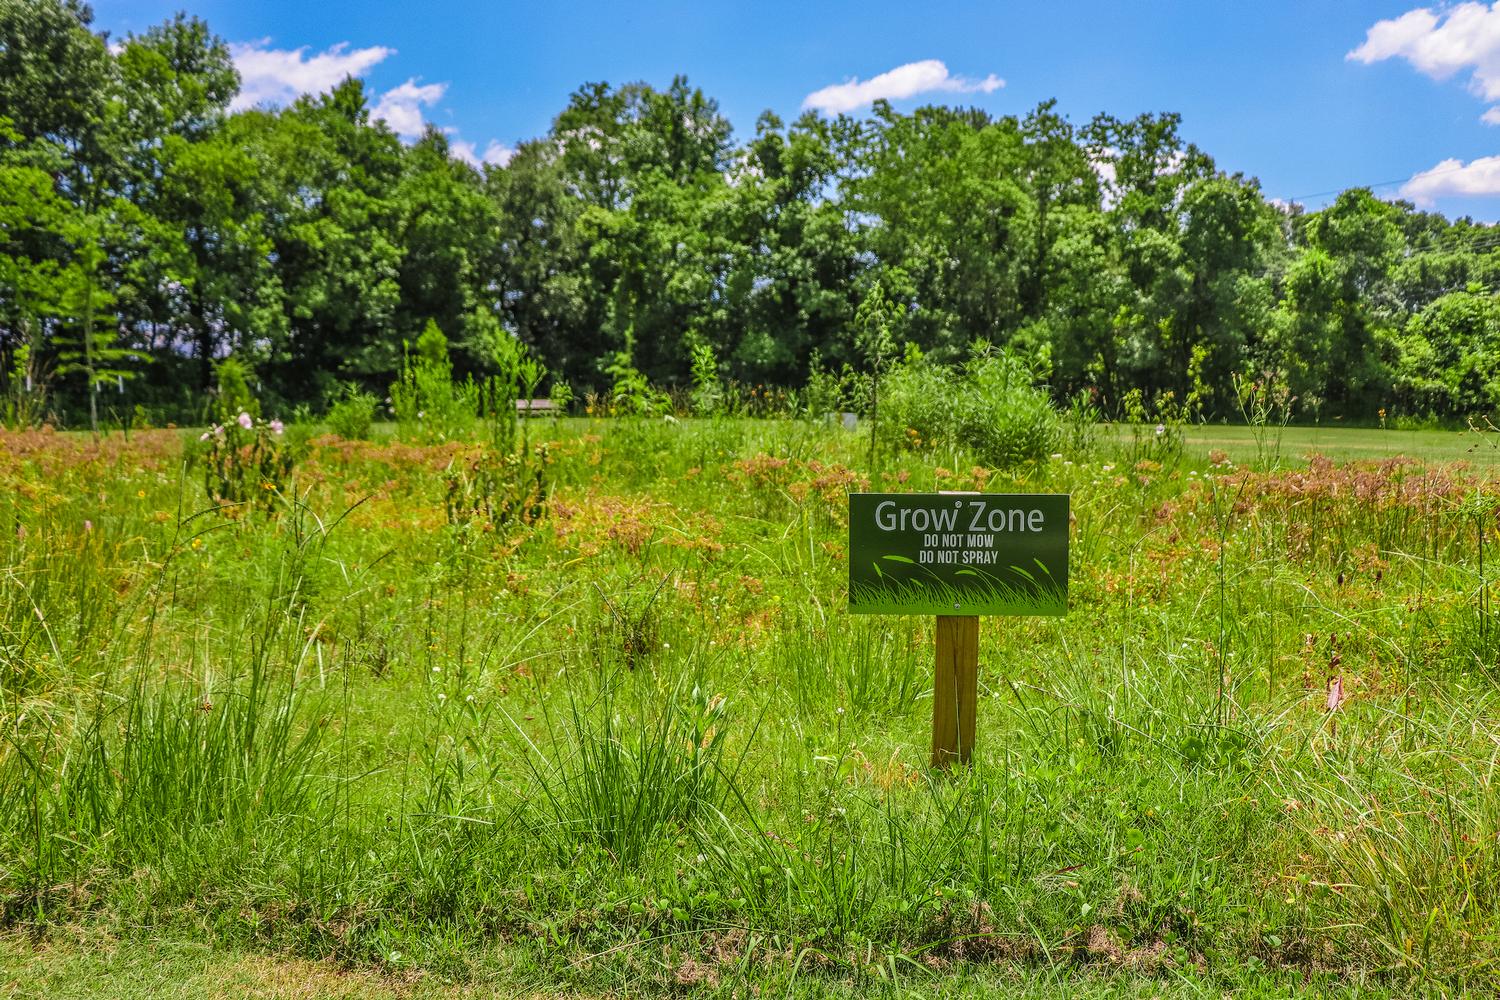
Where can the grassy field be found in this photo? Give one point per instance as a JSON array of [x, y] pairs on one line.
[[401, 729]]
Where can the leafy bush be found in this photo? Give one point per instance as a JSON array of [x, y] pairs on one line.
[[245, 458], [429, 406], [497, 489], [24, 402], [232, 395], [1156, 428], [991, 405], [829, 392], [630, 394], [353, 414], [708, 390]]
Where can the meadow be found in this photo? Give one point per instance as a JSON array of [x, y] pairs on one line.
[[420, 721]]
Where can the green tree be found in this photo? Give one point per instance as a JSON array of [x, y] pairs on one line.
[[333, 231], [53, 73], [791, 284], [538, 265], [1339, 303], [445, 227], [1448, 357]]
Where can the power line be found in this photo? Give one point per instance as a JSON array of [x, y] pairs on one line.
[[1381, 184]]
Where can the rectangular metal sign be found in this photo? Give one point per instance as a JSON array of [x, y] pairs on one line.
[[958, 553]]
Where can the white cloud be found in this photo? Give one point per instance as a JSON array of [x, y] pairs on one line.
[[401, 107], [1491, 116], [277, 76], [924, 77], [1454, 178], [1440, 45], [496, 153]]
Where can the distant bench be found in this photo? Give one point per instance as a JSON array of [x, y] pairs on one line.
[[535, 408]]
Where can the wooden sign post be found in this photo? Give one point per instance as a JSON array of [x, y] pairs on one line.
[[955, 689], [957, 556]]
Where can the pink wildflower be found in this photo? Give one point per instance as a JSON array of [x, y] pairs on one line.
[[245, 420], [1335, 692]]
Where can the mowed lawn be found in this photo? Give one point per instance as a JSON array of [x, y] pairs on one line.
[[393, 732], [1243, 444], [70, 966]]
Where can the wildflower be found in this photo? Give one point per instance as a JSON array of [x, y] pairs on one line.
[[218, 430], [442, 697], [1335, 693], [88, 525], [277, 427], [244, 420], [1161, 429], [204, 436], [1057, 455]]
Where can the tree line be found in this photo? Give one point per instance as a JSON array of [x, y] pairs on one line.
[[146, 232]]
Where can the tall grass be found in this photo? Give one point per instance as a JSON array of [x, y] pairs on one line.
[[152, 777], [645, 729], [622, 782]]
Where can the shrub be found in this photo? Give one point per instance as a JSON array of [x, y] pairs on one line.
[[245, 459], [708, 390], [496, 489], [1156, 428], [991, 405], [232, 395], [429, 406], [353, 414], [630, 394], [828, 392], [24, 403]]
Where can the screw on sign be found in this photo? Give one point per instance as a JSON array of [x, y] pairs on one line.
[[957, 556]]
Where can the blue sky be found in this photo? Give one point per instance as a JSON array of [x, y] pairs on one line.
[[1311, 97]]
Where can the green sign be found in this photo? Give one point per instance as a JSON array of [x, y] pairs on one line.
[[958, 553]]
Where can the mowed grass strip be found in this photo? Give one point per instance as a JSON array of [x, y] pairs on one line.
[[94, 967]]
